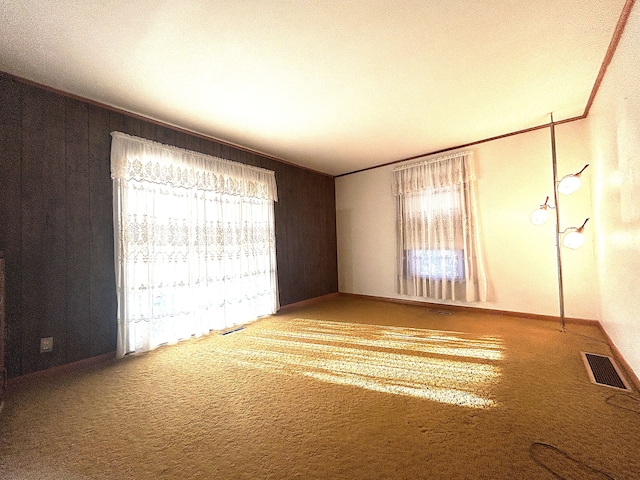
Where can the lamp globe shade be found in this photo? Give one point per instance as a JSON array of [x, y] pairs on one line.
[[573, 240], [569, 184], [539, 216]]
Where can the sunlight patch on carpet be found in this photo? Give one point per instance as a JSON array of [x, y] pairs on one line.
[[448, 367]]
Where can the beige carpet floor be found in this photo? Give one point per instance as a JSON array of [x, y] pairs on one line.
[[344, 388]]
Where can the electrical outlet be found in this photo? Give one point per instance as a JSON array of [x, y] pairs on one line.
[[46, 344]]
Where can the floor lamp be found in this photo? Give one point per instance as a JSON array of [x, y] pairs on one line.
[[573, 236]]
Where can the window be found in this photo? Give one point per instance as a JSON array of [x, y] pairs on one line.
[[440, 208], [436, 264], [195, 243], [438, 251]]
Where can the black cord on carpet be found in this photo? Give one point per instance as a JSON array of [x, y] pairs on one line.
[[586, 336], [537, 449], [635, 402]]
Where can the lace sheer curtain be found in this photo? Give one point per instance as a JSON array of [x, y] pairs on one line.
[[437, 235], [194, 243]]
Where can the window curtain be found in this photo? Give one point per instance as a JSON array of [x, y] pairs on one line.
[[194, 243], [439, 254]]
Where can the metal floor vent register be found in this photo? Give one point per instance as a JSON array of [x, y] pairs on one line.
[[602, 370], [234, 330], [439, 312]]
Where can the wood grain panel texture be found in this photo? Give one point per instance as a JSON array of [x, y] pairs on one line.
[[56, 223], [43, 228], [11, 217]]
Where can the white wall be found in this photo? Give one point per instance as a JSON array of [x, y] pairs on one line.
[[602, 279], [614, 123], [514, 176]]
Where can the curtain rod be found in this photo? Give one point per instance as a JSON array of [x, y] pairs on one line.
[[434, 160], [206, 156]]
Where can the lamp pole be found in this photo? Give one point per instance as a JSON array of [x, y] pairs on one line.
[[557, 209]]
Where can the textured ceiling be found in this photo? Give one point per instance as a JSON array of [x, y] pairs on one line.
[[332, 85]]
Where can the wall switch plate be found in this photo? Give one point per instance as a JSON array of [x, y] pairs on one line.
[[46, 344]]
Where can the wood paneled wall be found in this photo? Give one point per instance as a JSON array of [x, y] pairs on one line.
[[56, 223]]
